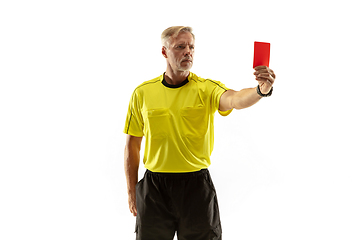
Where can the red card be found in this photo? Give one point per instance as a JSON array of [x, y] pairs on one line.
[[261, 54]]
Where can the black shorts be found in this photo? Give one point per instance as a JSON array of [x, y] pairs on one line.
[[184, 203]]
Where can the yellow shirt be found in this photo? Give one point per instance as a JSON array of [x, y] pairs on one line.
[[177, 122]]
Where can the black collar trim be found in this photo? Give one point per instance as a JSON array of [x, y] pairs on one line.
[[174, 86]]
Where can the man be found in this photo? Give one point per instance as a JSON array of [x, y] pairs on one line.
[[175, 113]]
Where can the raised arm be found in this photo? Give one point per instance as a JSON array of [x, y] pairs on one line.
[[131, 165], [247, 97]]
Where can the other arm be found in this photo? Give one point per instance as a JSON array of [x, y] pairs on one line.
[[131, 166]]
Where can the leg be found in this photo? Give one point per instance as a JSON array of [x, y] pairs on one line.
[[154, 220], [200, 217], [154, 233]]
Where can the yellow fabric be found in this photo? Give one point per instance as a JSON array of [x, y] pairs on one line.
[[177, 122]]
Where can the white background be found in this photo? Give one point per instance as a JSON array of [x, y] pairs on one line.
[[286, 168]]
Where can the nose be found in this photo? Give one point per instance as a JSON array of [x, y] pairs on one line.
[[187, 50]]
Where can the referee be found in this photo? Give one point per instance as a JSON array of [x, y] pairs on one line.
[[175, 114]]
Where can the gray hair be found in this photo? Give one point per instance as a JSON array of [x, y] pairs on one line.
[[173, 32]]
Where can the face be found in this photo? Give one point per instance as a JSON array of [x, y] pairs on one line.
[[180, 52]]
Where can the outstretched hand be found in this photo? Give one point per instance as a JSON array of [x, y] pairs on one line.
[[266, 78]]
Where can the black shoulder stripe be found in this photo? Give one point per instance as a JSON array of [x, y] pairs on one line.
[[217, 84], [132, 99], [147, 84]]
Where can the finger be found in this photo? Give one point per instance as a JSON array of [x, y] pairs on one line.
[[272, 73], [261, 71], [270, 80], [260, 68], [264, 75], [264, 71], [133, 211]]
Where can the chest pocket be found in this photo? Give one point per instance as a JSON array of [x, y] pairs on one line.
[[195, 121], [159, 122]]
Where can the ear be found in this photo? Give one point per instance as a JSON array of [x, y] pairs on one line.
[[163, 51]]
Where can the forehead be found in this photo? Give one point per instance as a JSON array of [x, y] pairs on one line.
[[184, 37]]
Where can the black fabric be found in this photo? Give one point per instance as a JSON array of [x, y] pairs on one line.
[[164, 82], [184, 203]]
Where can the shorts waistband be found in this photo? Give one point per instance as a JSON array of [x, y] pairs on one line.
[[178, 175]]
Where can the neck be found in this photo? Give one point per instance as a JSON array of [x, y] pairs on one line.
[[175, 77]]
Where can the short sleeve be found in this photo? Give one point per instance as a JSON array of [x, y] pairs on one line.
[[134, 121], [218, 90]]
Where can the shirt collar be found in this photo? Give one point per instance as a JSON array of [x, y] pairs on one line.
[[176, 85]]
